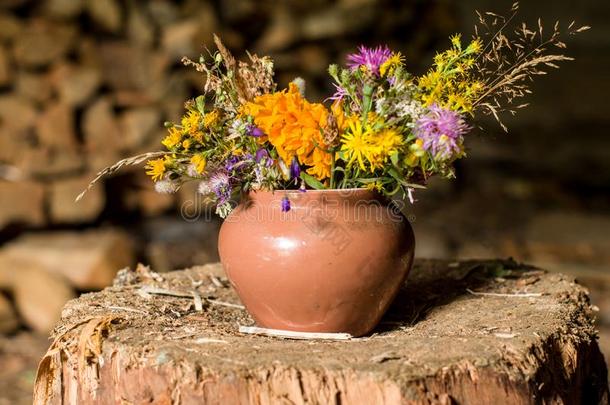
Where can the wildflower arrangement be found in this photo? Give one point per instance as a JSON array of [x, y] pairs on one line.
[[383, 128]]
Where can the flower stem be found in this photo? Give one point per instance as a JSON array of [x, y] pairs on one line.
[[332, 170]]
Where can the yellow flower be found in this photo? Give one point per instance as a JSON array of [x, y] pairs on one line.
[[355, 147], [390, 65], [200, 162], [476, 45], [294, 127], [211, 119], [477, 87], [356, 144], [416, 151], [190, 122], [173, 139], [450, 83], [156, 168], [411, 160], [362, 144], [375, 186], [186, 143], [389, 141], [456, 41]]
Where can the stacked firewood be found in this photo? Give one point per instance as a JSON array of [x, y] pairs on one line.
[[84, 83], [41, 272]]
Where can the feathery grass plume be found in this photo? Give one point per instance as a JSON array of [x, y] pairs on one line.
[[233, 82], [512, 57], [256, 77], [107, 171]]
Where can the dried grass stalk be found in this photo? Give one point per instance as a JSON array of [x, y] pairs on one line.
[[130, 161], [248, 80], [508, 64]]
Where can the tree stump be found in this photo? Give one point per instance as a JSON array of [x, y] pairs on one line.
[[469, 332]]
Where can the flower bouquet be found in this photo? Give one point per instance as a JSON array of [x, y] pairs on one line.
[[382, 134]]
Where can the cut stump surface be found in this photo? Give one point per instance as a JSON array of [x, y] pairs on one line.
[[471, 332]]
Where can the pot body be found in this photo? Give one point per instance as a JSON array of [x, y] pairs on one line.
[[332, 263]]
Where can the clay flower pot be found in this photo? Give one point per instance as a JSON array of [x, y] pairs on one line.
[[332, 263]]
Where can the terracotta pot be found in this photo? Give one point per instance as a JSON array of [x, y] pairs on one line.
[[333, 263]]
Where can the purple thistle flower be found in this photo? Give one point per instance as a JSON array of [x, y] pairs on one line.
[[371, 58], [295, 169], [254, 131], [441, 131], [219, 184], [285, 204]]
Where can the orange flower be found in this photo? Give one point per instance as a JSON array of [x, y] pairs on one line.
[[294, 127]]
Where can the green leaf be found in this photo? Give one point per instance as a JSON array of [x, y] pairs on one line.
[[394, 173], [394, 159], [200, 104], [400, 179], [367, 100], [369, 180], [317, 145], [410, 137], [394, 191], [312, 181]]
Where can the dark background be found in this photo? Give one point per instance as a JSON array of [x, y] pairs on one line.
[[84, 83]]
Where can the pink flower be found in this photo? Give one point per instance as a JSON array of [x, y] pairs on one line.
[[340, 93], [371, 58], [441, 131]]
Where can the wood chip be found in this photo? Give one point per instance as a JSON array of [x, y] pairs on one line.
[[198, 301], [204, 340], [288, 334], [515, 295], [128, 309], [505, 335], [163, 291], [383, 357], [216, 281], [147, 290], [224, 304]]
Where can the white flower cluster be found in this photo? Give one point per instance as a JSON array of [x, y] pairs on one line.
[[405, 110], [166, 186], [237, 128], [410, 108]]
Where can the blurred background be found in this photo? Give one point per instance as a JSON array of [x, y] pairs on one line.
[[84, 83]]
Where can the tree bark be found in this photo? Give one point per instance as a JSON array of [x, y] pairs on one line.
[[469, 333]]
